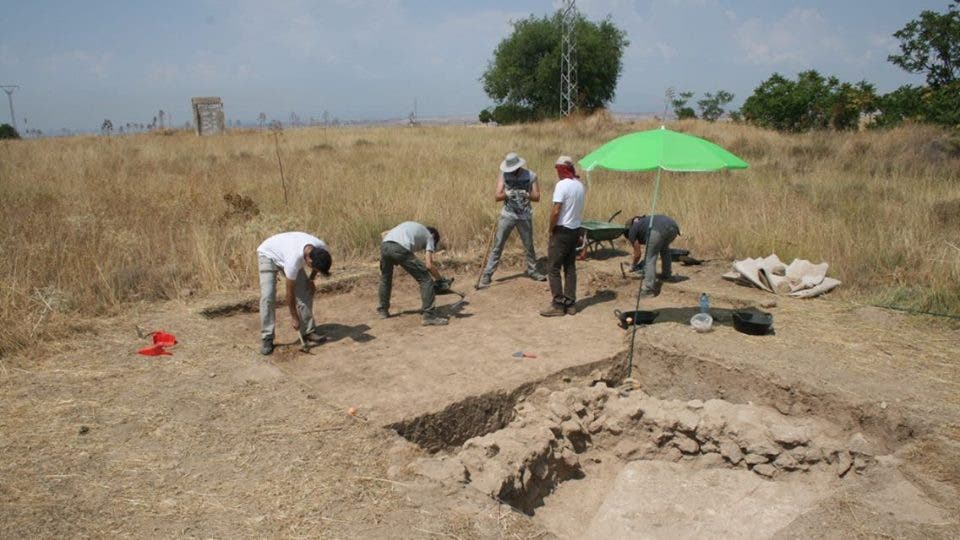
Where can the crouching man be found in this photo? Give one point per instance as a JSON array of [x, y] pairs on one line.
[[657, 235], [398, 249], [293, 253]]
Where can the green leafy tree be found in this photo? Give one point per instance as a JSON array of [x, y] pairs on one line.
[[680, 108], [485, 116], [523, 76], [904, 103], [811, 102], [712, 105], [931, 45], [8, 132]]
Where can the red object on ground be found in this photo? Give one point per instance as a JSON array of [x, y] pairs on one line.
[[162, 338], [155, 350]]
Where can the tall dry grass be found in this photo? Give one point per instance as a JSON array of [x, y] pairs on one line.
[[93, 223]]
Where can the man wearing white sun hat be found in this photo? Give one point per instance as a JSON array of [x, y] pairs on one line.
[[516, 187]]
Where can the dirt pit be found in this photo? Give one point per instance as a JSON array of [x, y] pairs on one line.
[[601, 461]]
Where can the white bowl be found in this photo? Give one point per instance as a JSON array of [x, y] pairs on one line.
[[701, 322]]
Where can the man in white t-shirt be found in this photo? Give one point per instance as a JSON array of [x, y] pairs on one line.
[[292, 253], [398, 249], [564, 229]]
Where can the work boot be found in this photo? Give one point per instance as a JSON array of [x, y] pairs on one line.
[[571, 309], [315, 337], [536, 276], [647, 293], [484, 282], [555, 310], [266, 346], [435, 320], [383, 313]]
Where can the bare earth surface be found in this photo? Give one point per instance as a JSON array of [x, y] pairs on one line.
[[218, 441]]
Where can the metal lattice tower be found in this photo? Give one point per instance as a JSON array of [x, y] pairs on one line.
[[9, 88], [568, 58]]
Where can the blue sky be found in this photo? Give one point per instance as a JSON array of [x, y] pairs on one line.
[[80, 62]]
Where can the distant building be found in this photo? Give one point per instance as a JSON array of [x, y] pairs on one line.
[[208, 115]]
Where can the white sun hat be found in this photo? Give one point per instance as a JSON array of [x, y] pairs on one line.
[[512, 162], [564, 160]]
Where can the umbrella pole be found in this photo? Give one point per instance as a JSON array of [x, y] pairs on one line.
[[633, 333], [656, 194]]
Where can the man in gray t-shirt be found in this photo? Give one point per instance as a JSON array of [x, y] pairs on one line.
[[398, 249], [516, 187], [657, 235]]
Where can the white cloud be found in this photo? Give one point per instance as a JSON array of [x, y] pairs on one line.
[[799, 38]]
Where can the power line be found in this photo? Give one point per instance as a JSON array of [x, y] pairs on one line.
[[568, 58], [9, 88]]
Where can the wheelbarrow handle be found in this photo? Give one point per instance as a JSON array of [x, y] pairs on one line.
[[615, 214]]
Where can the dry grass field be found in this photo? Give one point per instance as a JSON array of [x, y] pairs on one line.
[[90, 224]]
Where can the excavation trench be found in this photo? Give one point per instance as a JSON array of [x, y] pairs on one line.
[[686, 413]]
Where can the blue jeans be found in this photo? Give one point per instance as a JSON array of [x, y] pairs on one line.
[[658, 244], [505, 226]]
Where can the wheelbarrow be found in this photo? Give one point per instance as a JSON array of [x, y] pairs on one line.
[[594, 233]]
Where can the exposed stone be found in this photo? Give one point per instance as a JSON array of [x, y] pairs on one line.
[[709, 447], [730, 452], [559, 410], [596, 426], [571, 428], [686, 444], [612, 426], [807, 454], [712, 460], [755, 459], [786, 462], [673, 454], [787, 433], [713, 419], [765, 470], [627, 449], [695, 404], [858, 444], [570, 459], [844, 462], [782, 407]]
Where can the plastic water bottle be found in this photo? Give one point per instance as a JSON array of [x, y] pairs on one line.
[[704, 303]]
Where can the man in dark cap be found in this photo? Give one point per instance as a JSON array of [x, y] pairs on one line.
[[292, 253]]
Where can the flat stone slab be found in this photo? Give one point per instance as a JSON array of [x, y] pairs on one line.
[[657, 499]]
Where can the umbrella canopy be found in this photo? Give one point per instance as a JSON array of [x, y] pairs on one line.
[[661, 149]]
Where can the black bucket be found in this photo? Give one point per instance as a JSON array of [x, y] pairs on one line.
[[639, 317], [755, 323]]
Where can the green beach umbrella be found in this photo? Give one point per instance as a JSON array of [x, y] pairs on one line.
[[660, 150]]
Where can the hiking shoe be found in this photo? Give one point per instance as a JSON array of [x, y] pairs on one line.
[[435, 320], [316, 338], [383, 313], [484, 282], [266, 347], [553, 311], [571, 309], [647, 293], [536, 276]]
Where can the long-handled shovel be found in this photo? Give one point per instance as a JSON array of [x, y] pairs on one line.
[[486, 253]]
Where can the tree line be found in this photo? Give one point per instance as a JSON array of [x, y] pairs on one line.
[[522, 80]]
